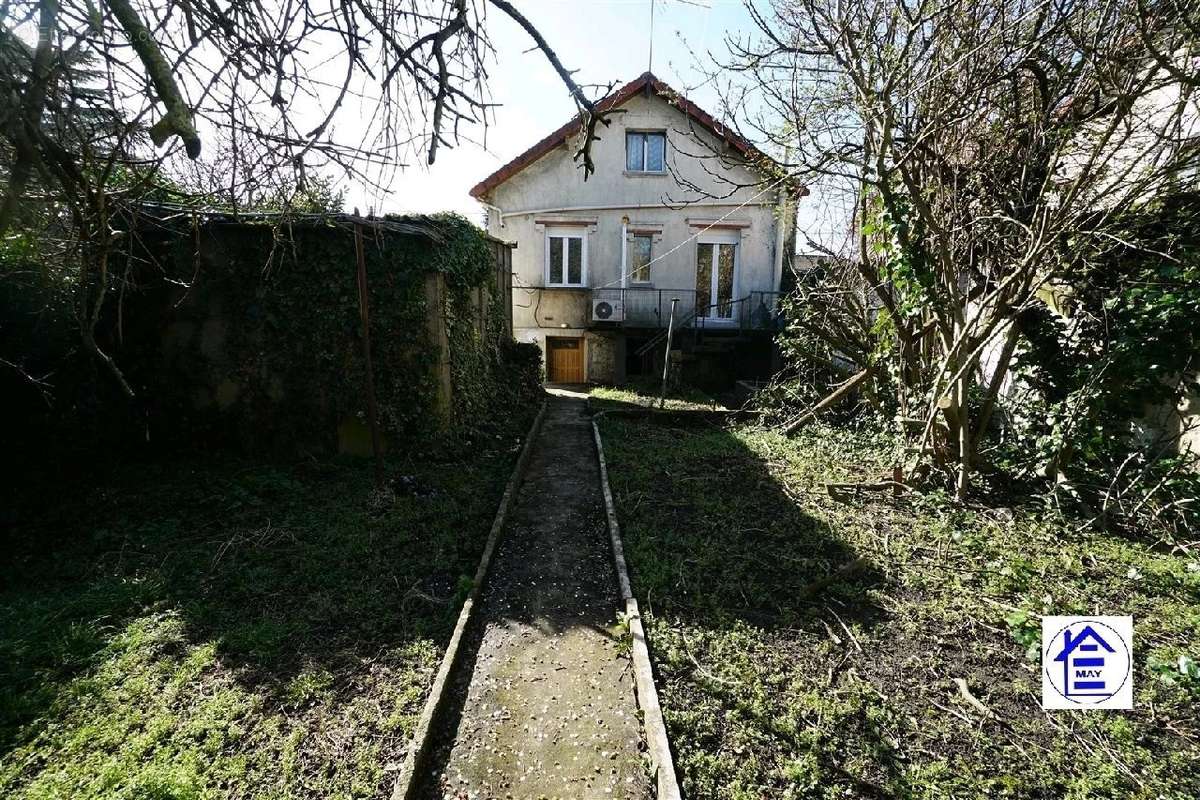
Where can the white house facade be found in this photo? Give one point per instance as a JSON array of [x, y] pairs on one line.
[[679, 213]]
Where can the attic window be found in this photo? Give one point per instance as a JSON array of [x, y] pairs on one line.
[[645, 151]]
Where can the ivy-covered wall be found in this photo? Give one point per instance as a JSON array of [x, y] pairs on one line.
[[253, 336]]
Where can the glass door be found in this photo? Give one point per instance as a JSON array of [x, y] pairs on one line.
[[716, 264]]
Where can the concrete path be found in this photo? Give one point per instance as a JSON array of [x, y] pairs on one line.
[[542, 705]]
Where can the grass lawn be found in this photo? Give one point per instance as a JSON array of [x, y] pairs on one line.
[[644, 392], [231, 629], [852, 692]]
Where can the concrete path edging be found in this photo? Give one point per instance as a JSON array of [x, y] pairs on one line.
[[647, 693], [406, 783]]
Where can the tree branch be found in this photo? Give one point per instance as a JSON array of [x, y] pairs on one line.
[[589, 115], [178, 119]]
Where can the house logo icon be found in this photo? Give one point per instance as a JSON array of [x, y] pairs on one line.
[[1087, 662]]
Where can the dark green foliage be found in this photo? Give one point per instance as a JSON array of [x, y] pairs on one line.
[[897, 239], [1105, 351], [1132, 311], [272, 316], [40, 354], [526, 359], [36, 319], [249, 335], [1124, 347], [318, 196], [491, 373]]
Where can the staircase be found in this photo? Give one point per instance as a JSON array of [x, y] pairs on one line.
[[713, 352], [694, 328], [712, 344]]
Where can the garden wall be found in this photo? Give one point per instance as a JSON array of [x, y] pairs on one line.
[[255, 337], [249, 336]]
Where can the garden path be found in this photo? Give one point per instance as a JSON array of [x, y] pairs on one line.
[[542, 704]]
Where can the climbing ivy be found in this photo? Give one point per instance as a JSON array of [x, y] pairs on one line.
[[264, 346], [492, 375]]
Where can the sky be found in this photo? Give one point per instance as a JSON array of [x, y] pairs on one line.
[[607, 41]]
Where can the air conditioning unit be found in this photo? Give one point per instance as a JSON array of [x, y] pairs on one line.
[[607, 310]]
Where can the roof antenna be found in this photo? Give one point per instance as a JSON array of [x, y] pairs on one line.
[[650, 61]]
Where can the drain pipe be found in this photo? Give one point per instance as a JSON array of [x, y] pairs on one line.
[[499, 213], [624, 253], [785, 215]]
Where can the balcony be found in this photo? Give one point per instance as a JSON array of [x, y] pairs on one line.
[[646, 307]]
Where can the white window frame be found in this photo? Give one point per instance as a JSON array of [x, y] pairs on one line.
[[646, 151], [566, 232], [711, 238]]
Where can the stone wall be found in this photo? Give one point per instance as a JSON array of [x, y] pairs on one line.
[[261, 347], [606, 358]]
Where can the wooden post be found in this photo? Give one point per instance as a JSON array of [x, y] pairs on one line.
[[365, 314], [662, 396], [439, 344]]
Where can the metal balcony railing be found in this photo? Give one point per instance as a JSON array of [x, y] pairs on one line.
[[646, 307]]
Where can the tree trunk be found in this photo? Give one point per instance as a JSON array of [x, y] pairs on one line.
[[837, 394], [965, 451], [994, 385]]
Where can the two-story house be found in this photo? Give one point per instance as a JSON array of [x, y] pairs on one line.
[[680, 212]]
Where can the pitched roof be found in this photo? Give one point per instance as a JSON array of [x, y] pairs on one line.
[[648, 82]]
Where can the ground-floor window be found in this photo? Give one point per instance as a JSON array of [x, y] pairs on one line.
[[640, 247]]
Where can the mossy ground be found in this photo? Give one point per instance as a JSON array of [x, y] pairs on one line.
[[233, 629], [852, 693]]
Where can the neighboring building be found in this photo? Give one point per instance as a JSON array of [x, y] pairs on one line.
[[678, 208]]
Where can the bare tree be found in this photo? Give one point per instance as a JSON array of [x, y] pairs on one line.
[[988, 142], [100, 98]]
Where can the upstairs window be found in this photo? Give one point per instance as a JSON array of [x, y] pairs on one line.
[[645, 151], [566, 258]]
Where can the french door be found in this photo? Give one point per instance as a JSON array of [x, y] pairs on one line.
[[716, 276]]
